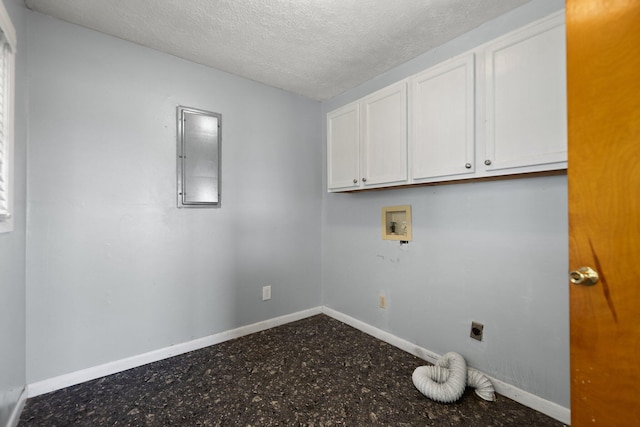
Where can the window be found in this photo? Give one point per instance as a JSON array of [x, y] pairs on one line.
[[7, 83]]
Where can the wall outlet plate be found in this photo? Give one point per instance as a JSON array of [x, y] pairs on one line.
[[266, 293], [476, 331], [382, 301]]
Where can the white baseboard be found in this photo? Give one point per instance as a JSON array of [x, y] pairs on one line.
[[551, 409], [14, 419], [73, 378], [532, 401], [547, 407]]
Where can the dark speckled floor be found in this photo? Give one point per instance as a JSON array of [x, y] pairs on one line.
[[314, 372]]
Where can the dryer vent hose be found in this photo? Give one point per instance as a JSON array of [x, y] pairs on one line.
[[446, 380]]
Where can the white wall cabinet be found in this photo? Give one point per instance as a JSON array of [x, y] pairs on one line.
[[442, 121], [384, 136], [526, 123], [367, 141], [343, 148], [498, 110]]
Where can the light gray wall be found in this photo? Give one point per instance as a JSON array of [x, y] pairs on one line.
[[494, 252], [12, 245], [114, 268]]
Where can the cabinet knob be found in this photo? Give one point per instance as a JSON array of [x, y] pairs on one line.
[[468, 166], [364, 179], [487, 162], [355, 181]]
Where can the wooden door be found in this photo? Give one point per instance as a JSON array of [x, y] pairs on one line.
[[603, 66]]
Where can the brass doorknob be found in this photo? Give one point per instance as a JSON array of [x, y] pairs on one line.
[[584, 276]]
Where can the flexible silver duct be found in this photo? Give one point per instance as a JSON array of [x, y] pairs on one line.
[[446, 380]]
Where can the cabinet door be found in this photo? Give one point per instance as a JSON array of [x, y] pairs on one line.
[[442, 118], [384, 136], [343, 147], [526, 103]]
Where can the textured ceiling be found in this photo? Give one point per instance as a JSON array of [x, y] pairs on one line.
[[315, 48]]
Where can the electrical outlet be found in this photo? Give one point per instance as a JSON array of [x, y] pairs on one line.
[[382, 301], [266, 293], [476, 331]]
